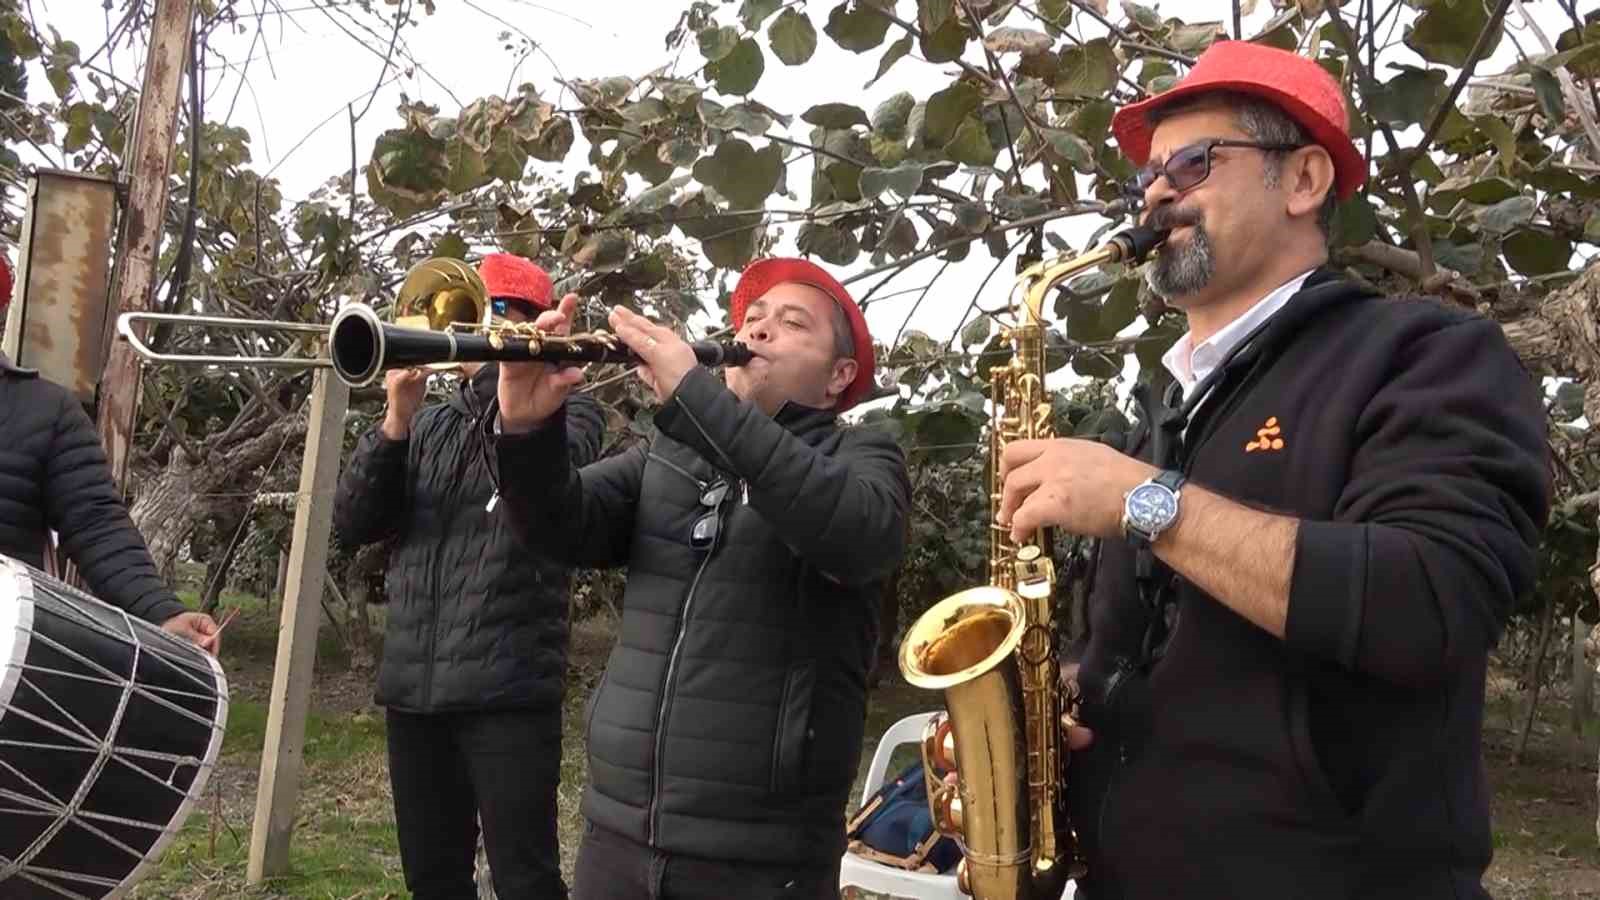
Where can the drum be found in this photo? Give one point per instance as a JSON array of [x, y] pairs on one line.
[[109, 729]]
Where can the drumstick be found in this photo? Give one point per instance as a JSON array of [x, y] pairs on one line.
[[233, 613]]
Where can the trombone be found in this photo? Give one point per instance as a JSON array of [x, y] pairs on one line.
[[442, 320]]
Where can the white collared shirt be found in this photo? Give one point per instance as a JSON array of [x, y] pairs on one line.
[[1190, 364]]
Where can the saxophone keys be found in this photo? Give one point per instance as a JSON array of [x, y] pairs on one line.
[[947, 810]]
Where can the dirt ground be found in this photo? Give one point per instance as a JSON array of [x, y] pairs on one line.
[[344, 847]]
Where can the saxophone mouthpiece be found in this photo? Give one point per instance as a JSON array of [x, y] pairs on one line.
[[1137, 242]]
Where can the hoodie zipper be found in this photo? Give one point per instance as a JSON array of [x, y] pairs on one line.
[[1113, 685], [475, 431], [702, 485], [1119, 677], [672, 666]]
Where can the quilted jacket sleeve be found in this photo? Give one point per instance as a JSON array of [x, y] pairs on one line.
[[586, 430], [581, 516], [371, 501], [845, 512], [83, 507]]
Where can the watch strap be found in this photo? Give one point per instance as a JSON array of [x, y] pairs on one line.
[[1171, 479]]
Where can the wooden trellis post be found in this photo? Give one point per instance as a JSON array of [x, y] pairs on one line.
[[278, 792], [139, 244]]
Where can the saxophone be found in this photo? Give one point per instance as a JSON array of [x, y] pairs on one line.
[[991, 649]]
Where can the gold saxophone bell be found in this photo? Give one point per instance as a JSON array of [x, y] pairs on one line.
[[991, 650]]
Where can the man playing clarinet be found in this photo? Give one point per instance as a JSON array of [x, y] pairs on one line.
[[726, 732]]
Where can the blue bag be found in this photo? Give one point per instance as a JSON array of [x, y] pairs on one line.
[[894, 827]]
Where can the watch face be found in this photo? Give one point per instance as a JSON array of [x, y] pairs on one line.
[[1152, 506]]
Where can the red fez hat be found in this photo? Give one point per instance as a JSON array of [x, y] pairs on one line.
[[509, 275], [765, 274], [1293, 83]]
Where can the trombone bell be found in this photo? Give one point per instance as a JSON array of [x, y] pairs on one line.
[[442, 294]]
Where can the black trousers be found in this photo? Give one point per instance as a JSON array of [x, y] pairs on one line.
[[612, 867], [448, 771]]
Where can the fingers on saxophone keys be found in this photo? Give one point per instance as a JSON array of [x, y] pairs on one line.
[[1078, 736]]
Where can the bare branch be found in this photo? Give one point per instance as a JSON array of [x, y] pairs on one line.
[[916, 32], [997, 70], [918, 304], [1419, 226], [1076, 209], [978, 294], [1568, 87], [1467, 68]]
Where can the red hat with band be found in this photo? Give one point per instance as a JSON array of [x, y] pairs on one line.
[[765, 274], [1293, 83], [510, 277]]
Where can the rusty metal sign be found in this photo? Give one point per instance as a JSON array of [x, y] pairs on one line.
[[57, 319]]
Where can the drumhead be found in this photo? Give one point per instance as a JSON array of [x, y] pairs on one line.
[[16, 625], [110, 729]]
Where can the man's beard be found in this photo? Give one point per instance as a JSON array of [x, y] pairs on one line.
[[1184, 268]]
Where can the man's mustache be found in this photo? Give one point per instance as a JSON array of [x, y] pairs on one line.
[[1167, 218]]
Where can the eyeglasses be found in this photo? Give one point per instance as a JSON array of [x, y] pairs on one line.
[[704, 532], [1190, 164]]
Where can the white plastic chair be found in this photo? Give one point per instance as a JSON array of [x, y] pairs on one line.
[[873, 876]]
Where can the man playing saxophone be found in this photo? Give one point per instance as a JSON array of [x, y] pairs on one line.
[[1336, 511], [757, 531]]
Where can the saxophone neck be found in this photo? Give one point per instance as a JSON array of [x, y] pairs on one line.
[[1131, 245]]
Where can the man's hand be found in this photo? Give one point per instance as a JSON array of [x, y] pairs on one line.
[[530, 392], [406, 388], [667, 357], [1069, 483], [196, 628], [1077, 736]]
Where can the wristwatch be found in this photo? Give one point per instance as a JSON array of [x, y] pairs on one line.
[[1151, 507]]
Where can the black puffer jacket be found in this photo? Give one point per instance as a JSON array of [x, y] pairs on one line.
[[53, 475], [729, 721], [476, 621]]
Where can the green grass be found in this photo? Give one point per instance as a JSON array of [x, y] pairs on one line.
[[329, 738], [341, 857], [344, 847]]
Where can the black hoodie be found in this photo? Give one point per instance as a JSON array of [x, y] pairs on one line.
[[477, 620], [1345, 759]]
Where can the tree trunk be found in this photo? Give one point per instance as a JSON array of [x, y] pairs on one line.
[[172, 504], [1562, 337], [359, 583], [158, 512], [1535, 677]]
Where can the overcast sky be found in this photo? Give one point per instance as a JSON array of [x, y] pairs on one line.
[[307, 66]]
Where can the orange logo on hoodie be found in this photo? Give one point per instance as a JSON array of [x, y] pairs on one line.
[[1267, 437]]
